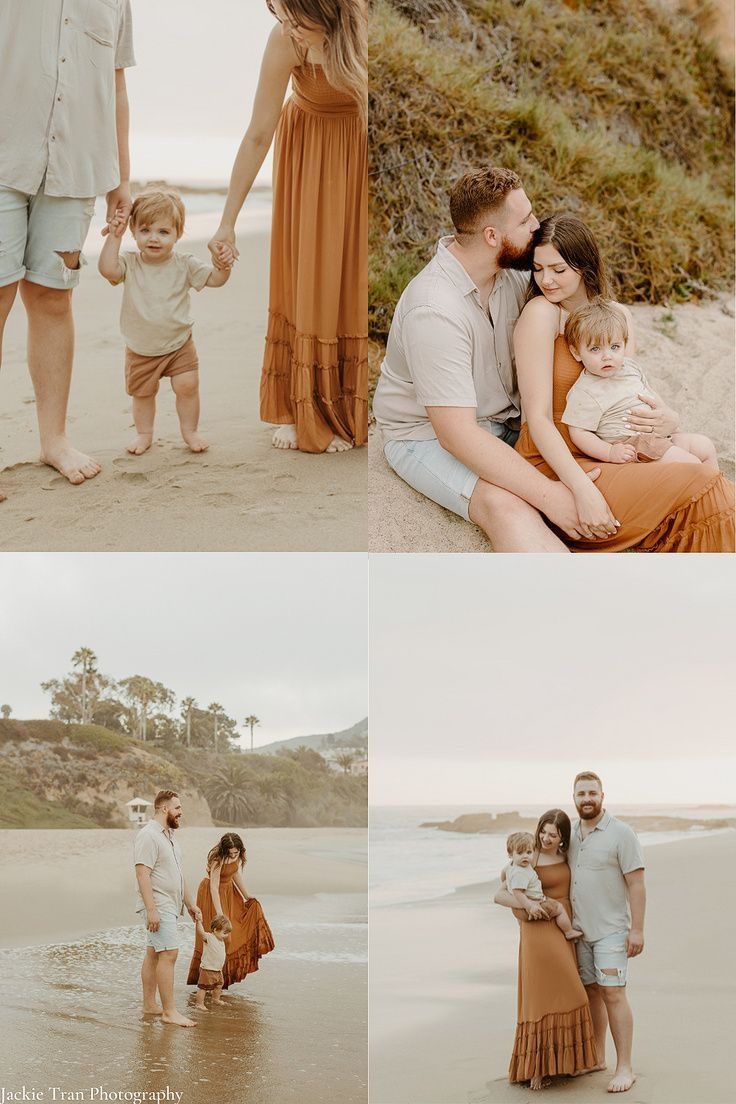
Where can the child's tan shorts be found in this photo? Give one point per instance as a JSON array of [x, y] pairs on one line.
[[210, 979], [649, 446], [143, 373]]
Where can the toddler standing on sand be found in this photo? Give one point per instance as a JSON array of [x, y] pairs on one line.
[[610, 385], [213, 959], [522, 881], [154, 317]]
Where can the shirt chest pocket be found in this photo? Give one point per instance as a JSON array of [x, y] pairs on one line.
[[594, 860], [99, 23]]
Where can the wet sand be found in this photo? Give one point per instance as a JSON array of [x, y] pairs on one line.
[[294, 1030], [443, 993], [241, 495]]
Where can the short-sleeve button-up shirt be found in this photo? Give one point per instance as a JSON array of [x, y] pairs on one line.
[[600, 904], [57, 94], [446, 348], [157, 849]]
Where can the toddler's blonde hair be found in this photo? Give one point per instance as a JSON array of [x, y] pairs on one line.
[[519, 841], [159, 203], [599, 320], [221, 923]]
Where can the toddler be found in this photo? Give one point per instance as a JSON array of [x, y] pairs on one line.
[[609, 387], [154, 317], [522, 881], [212, 961]]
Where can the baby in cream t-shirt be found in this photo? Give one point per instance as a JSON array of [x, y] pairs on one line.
[[154, 317], [610, 386]]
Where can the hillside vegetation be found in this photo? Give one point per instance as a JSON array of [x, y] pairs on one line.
[[617, 111]]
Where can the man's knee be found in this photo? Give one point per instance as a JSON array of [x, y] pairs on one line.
[[50, 302], [168, 956], [612, 994], [490, 502]]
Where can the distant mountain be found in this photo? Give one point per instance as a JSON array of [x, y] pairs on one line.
[[356, 736]]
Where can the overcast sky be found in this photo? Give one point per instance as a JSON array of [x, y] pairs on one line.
[[283, 636], [497, 678]]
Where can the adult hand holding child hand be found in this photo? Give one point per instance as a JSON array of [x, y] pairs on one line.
[[223, 249]]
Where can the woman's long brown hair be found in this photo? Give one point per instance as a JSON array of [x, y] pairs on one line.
[[576, 245], [561, 821]]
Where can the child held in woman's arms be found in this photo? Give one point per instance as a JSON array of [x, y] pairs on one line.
[[522, 881], [212, 961], [154, 317], [609, 388]]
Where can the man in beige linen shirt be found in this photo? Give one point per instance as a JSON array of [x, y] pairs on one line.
[[447, 402], [63, 141], [162, 895]]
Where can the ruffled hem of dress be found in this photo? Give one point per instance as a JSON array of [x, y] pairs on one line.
[[713, 532], [559, 1043], [246, 961], [318, 384]]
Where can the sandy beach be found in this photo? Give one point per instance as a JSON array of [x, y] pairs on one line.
[[241, 495], [443, 993], [687, 354], [71, 948]]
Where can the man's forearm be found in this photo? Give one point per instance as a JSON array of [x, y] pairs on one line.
[[637, 904], [122, 128], [497, 463]]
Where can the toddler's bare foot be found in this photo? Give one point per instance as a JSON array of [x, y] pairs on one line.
[[284, 437], [177, 1019], [338, 444], [74, 465], [219, 1002], [201, 1007], [140, 444], [573, 934], [194, 440]]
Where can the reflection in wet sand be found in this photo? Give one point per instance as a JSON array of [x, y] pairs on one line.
[[295, 1030]]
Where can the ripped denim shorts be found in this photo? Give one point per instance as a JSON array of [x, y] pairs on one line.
[[608, 953], [34, 230]]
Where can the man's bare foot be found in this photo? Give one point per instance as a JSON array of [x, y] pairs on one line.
[[195, 442], [177, 1019], [140, 444], [284, 437], [339, 444], [154, 1010], [622, 1081], [538, 1083], [573, 934], [74, 465]]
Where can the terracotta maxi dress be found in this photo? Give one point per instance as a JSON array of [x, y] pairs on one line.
[[661, 507], [315, 368], [554, 1032], [250, 938]]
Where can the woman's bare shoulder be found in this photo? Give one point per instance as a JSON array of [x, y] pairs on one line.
[[280, 50], [540, 314]]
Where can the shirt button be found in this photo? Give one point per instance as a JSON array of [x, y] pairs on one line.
[[63, 59], [58, 99], [53, 137]]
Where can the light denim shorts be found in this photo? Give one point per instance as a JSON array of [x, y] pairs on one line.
[[436, 473], [34, 229], [608, 953], [167, 936]]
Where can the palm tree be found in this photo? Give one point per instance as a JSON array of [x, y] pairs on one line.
[[345, 760], [6, 711], [188, 705], [227, 793], [215, 710], [251, 722], [87, 660]]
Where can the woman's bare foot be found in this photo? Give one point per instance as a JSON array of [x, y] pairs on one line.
[[177, 1019], [194, 440], [339, 444], [538, 1083], [154, 1010], [284, 437], [622, 1081], [591, 1069], [74, 465], [140, 444]]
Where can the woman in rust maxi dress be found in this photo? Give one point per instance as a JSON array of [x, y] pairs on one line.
[[554, 1030], [314, 383], [222, 891]]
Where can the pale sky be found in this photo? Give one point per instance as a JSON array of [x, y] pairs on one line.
[[191, 91], [497, 678], [282, 636]]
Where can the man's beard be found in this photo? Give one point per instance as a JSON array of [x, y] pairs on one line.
[[511, 256], [586, 814], [171, 822]]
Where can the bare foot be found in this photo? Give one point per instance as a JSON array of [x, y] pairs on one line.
[[74, 465], [622, 1081], [573, 934], [195, 442], [538, 1083], [284, 437], [154, 1010], [201, 1008], [140, 444], [177, 1019], [339, 444], [219, 1002], [591, 1069]]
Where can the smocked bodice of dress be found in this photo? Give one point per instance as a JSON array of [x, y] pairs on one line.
[[555, 879], [227, 871], [311, 91]]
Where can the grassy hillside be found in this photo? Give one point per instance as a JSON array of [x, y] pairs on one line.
[[355, 736], [618, 111]]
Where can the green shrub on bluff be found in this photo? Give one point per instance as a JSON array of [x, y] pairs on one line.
[[620, 112]]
